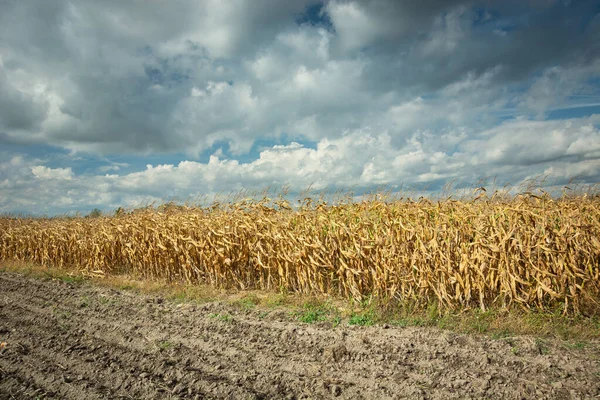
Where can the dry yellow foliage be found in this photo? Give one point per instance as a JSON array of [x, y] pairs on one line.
[[528, 250]]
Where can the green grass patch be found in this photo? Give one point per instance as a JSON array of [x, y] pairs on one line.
[[577, 345], [85, 302], [165, 345], [316, 311], [248, 302], [277, 300], [312, 316], [362, 319], [223, 317]]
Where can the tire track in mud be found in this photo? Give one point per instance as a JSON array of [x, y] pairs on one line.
[[79, 341]]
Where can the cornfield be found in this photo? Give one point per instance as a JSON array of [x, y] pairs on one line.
[[532, 251]]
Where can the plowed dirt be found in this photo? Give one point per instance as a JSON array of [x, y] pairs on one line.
[[71, 341]]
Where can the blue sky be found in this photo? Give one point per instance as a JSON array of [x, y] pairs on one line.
[[108, 104]]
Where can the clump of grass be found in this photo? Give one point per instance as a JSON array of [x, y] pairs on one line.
[[164, 345], [362, 319], [311, 316], [312, 312], [223, 317], [315, 310], [85, 302], [248, 302], [276, 300]]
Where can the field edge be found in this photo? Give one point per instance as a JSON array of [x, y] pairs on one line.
[[499, 323]]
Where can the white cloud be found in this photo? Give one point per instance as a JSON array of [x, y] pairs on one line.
[[556, 84], [512, 152], [42, 172], [535, 142]]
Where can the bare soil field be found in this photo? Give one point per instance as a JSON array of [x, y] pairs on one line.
[[79, 341]]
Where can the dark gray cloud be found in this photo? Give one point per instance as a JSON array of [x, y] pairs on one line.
[[19, 111], [116, 76], [474, 37]]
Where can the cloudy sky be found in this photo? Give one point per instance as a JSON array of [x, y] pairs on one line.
[[114, 103]]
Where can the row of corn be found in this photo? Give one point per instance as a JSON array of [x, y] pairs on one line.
[[536, 252]]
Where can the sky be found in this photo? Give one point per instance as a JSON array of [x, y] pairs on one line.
[[107, 104]]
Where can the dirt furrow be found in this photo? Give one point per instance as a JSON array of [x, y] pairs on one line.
[[80, 341]]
